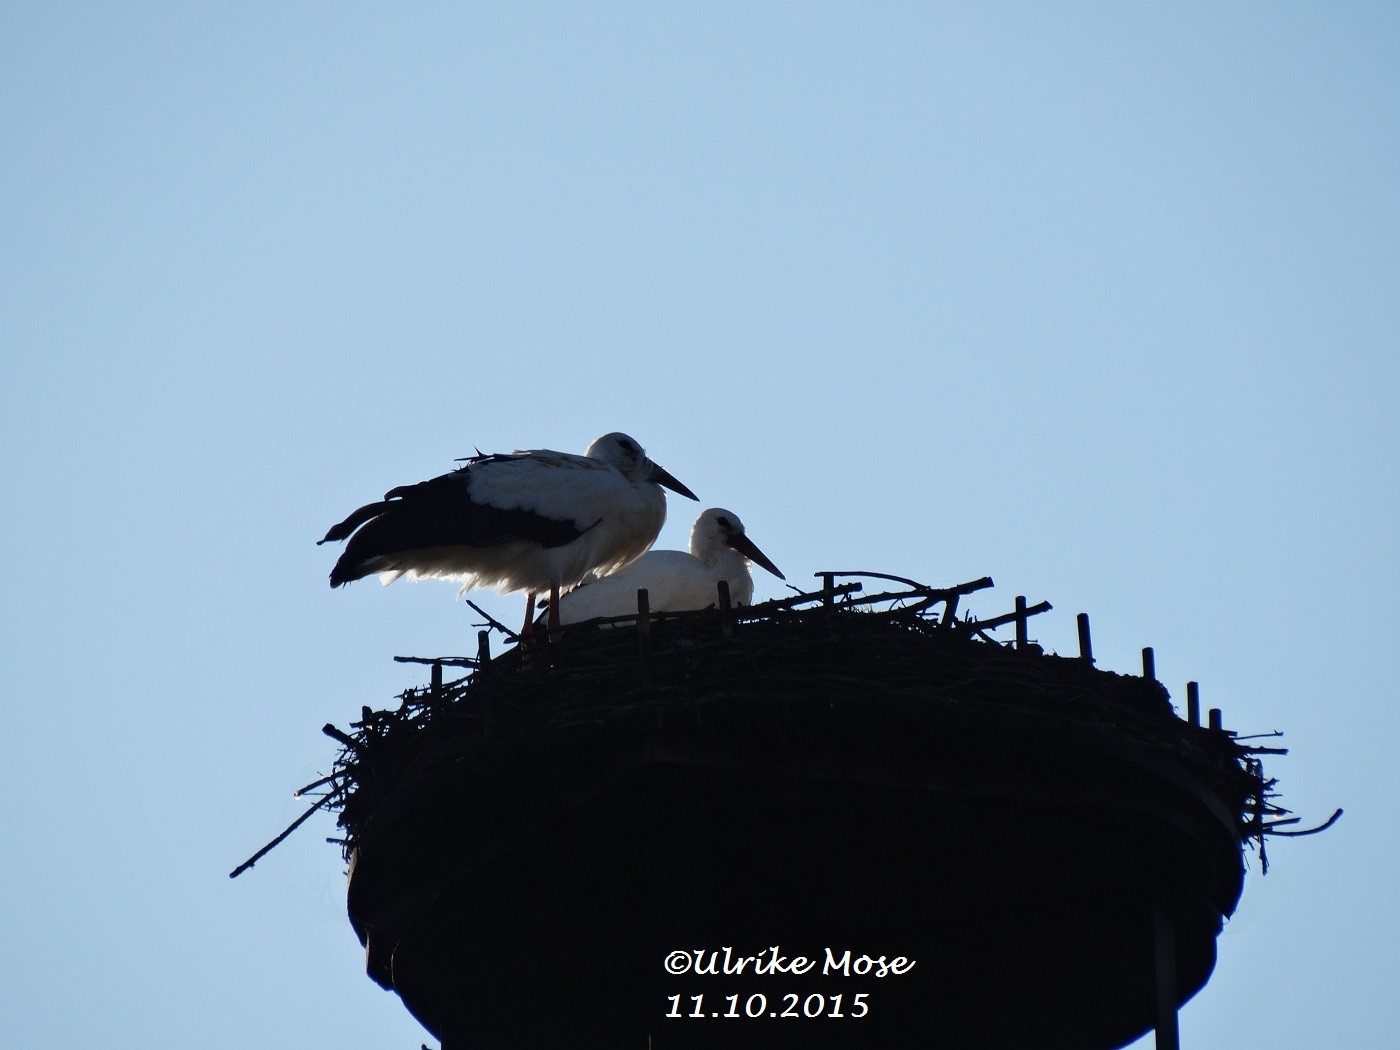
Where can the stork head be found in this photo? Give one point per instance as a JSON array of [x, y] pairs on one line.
[[630, 459], [716, 528]]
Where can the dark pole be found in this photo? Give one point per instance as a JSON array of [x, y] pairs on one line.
[[1022, 634], [644, 632], [1149, 664], [1193, 703], [1086, 649], [1164, 950]]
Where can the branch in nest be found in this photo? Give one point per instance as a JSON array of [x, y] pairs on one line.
[[314, 785], [1271, 829], [260, 854], [491, 621], [350, 742]]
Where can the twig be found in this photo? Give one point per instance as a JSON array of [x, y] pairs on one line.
[[493, 622], [874, 576], [345, 738], [799, 598], [449, 661], [260, 854], [1269, 829], [1005, 618], [958, 588], [314, 785]]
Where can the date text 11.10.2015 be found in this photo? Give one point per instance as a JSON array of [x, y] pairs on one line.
[[789, 1006]]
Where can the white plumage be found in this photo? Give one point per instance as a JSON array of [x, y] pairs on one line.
[[532, 521], [674, 580]]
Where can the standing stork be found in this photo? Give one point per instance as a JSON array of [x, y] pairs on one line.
[[532, 521], [674, 580]]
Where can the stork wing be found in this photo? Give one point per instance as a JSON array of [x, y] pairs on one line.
[[440, 513]]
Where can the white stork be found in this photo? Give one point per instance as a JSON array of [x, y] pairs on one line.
[[532, 521], [676, 581]]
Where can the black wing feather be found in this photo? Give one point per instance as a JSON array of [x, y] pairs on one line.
[[353, 522], [434, 514]]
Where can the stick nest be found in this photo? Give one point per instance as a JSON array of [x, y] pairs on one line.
[[816, 656]]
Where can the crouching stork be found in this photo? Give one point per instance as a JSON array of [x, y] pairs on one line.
[[675, 581]]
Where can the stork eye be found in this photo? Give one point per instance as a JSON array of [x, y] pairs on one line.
[[724, 522]]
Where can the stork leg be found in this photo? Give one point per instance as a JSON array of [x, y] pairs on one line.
[[553, 611], [529, 629]]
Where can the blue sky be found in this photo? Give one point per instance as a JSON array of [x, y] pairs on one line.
[[1099, 301]]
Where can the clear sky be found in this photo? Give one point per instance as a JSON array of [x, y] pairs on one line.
[[1100, 300]]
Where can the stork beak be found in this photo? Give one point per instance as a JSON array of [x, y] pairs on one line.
[[662, 477], [745, 546]]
